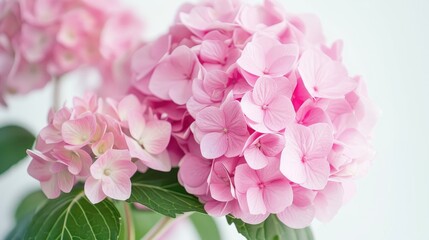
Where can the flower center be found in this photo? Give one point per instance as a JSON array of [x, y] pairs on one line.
[[225, 130], [265, 107], [107, 172], [261, 185]]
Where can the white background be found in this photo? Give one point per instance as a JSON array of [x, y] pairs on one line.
[[386, 41]]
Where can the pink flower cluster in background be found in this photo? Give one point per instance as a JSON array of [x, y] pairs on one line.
[[44, 39], [101, 142], [277, 126]]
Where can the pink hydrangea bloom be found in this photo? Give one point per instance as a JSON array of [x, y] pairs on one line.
[[110, 176], [261, 107], [101, 142], [223, 131]]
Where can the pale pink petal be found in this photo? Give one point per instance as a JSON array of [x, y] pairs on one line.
[[80, 131], [264, 91], [221, 192], [180, 91], [213, 51], [103, 145], [255, 201], [93, 190], [123, 168], [194, 172], [129, 104], [333, 81], [281, 59], [252, 59], [118, 188], [218, 209], [279, 113], [234, 118], [156, 136], [235, 144], [210, 119], [50, 188], [245, 178], [277, 195], [137, 124], [65, 181], [291, 164], [255, 158], [214, 145], [297, 217], [328, 201], [158, 163], [272, 144], [38, 168], [51, 135], [317, 173], [322, 141], [250, 109]]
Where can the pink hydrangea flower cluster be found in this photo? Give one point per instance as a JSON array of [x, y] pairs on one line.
[[44, 39], [264, 113], [102, 142]]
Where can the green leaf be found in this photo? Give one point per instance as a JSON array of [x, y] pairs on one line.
[[29, 204], [14, 141], [162, 193], [72, 216], [25, 212], [20, 229], [270, 229], [205, 226]]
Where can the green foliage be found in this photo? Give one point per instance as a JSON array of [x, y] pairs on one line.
[[72, 216], [270, 229], [205, 226], [14, 141], [162, 193]]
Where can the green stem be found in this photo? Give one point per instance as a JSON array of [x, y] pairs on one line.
[[56, 93], [162, 226], [129, 222]]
